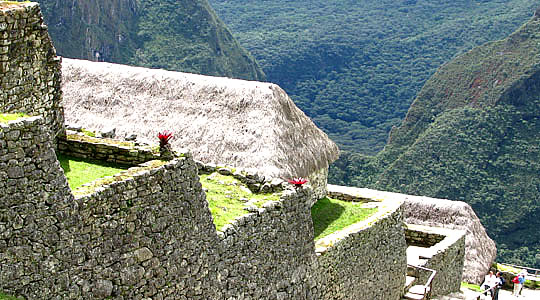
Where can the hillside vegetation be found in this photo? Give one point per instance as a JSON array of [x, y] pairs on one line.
[[355, 66], [174, 35], [472, 134]]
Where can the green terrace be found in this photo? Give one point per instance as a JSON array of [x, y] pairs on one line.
[[331, 215], [80, 171], [228, 197]]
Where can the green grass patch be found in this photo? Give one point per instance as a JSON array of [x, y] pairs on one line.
[[506, 268], [331, 215], [80, 171], [8, 297], [471, 286], [88, 133], [228, 197], [4, 118]]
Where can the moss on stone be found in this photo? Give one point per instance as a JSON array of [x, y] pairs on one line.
[[90, 139]]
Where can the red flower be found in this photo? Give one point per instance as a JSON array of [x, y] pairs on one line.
[[164, 138], [297, 181]]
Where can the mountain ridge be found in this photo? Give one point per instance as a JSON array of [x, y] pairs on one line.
[[472, 135], [186, 36], [354, 67]]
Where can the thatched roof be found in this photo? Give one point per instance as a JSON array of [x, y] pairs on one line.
[[245, 124]]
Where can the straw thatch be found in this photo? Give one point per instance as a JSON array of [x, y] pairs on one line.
[[480, 250], [245, 124]]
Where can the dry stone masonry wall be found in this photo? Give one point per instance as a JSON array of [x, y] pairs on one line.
[[422, 238], [29, 66], [33, 198], [147, 236], [82, 146], [152, 235], [445, 256], [267, 254], [366, 260]]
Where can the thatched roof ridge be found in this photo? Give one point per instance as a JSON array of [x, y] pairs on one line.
[[245, 124]]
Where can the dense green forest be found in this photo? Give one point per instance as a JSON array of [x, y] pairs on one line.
[[472, 134], [174, 35], [355, 66]]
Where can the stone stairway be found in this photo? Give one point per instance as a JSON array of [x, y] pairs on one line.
[[413, 290]]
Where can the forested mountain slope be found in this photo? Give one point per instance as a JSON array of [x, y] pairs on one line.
[[473, 134], [174, 35], [355, 66]]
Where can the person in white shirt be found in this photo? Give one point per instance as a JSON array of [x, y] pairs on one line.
[[490, 282]]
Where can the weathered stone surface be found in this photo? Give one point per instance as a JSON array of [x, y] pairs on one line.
[[28, 60], [354, 261], [153, 236], [103, 288]]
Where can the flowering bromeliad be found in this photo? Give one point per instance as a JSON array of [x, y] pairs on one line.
[[164, 138], [297, 181]]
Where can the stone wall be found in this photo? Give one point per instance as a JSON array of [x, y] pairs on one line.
[[318, 181], [33, 198], [351, 194], [422, 238], [152, 236], [446, 257], [366, 260], [267, 254], [480, 250], [119, 152], [147, 236], [29, 66]]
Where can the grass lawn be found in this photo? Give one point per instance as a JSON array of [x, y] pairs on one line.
[[4, 118], [227, 197], [80, 171], [471, 286], [330, 215]]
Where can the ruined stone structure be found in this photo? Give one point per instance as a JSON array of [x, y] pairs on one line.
[[150, 235]]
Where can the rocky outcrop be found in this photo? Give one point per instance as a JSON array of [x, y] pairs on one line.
[[480, 250], [175, 35]]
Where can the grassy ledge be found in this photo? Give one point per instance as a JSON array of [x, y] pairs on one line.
[[124, 174], [331, 215], [228, 198], [80, 171], [471, 286], [4, 118]]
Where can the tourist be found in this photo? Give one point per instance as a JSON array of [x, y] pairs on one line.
[[490, 281], [519, 281], [498, 286]]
